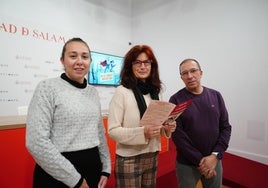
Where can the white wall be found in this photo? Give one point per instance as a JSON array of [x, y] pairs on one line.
[[28, 55], [230, 40]]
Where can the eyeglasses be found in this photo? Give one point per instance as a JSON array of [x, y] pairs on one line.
[[192, 71], [146, 63]]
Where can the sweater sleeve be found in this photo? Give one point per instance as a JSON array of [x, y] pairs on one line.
[[104, 151], [224, 126], [123, 120]]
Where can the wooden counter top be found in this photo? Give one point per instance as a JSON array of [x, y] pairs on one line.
[[14, 122]]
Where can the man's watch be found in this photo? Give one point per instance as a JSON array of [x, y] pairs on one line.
[[218, 155]]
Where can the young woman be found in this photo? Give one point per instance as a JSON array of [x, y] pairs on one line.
[[64, 131]]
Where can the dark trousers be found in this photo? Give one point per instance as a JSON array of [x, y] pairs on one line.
[[87, 163]]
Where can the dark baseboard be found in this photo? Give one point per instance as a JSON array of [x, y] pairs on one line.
[[232, 184]]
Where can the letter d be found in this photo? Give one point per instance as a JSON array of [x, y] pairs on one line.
[[12, 28]]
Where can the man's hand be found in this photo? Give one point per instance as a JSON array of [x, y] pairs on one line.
[[207, 166]]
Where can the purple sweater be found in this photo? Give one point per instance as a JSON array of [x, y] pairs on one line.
[[202, 128]]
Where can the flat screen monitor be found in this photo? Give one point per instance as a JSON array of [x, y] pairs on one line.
[[105, 69]]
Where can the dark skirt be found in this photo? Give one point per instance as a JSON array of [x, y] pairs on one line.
[[87, 163]]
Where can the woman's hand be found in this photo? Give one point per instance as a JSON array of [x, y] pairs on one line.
[[84, 184], [170, 126], [152, 131], [102, 182]]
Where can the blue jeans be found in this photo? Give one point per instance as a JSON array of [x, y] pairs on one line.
[[188, 176]]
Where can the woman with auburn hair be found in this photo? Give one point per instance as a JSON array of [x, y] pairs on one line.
[[137, 146]]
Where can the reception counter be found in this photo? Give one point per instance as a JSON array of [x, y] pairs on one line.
[[17, 164]]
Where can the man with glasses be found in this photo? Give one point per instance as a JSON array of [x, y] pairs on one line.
[[203, 131]]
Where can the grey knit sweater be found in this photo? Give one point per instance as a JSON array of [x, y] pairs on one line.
[[64, 118]]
